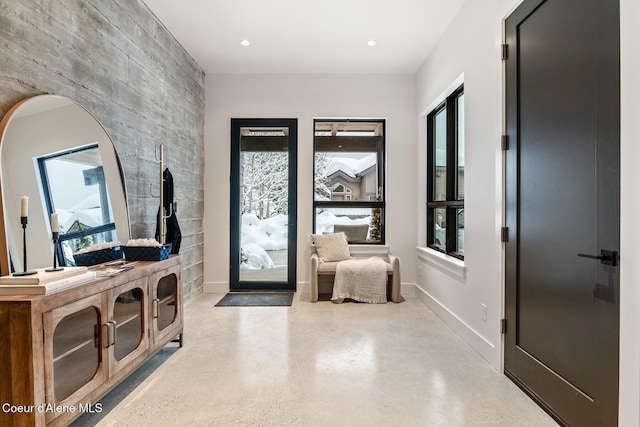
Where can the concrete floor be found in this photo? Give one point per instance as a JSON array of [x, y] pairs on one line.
[[317, 364]]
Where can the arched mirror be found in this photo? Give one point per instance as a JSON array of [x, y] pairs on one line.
[[57, 154]]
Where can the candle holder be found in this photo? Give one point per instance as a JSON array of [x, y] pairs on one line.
[[55, 267], [23, 221]]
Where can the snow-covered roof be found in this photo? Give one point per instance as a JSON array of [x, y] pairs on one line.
[[352, 167]]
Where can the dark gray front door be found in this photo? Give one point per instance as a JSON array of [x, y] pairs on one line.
[[563, 161], [263, 204]]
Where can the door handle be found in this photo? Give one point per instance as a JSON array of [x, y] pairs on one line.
[[114, 333], [605, 257], [109, 334], [105, 334]]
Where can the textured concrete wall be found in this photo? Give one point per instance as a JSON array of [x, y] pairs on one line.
[[119, 61]]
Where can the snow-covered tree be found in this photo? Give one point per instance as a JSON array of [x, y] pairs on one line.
[[265, 183], [320, 180]]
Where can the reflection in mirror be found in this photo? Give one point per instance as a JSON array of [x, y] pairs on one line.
[[56, 153], [75, 188]]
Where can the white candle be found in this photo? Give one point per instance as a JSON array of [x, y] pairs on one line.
[[24, 206], [54, 222]]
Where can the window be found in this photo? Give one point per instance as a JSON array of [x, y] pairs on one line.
[[74, 186], [349, 178], [445, 186]]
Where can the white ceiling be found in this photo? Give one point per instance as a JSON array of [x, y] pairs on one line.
[[307, 36]]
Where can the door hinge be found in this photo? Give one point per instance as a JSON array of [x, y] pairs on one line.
[[503, 326], [504, 234], [505, 142], [505, 52]]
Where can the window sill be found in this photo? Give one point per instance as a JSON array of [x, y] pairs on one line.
[[448, 264]]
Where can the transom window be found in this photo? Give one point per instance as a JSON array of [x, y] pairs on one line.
[[349, 178], [445, 186]]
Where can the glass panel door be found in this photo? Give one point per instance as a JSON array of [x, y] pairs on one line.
[[167, 295], [263, 204], [76, 351], [75, 337], [128, 311]]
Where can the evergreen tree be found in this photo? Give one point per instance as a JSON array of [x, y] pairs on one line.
[[375, 231]]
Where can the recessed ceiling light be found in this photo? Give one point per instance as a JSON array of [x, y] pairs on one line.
[[245, 42], [371, 43]]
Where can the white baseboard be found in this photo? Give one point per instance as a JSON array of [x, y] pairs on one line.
[[479, 343], [303, 288], [406, 289], [215, 287], [223, 287]]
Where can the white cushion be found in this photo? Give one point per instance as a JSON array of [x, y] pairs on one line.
[[331, 247]]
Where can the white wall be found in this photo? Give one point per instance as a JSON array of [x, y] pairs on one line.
[[305, 97], [630, 215], [471, 46]]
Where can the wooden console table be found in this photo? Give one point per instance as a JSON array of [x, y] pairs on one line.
[[61, 352]]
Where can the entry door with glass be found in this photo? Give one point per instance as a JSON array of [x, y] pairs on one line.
[[263, 204]]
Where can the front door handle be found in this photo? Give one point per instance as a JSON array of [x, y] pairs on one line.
[[605, 257]]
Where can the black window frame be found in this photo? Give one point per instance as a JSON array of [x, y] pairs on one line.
[[452, 204], [380, 164], [46, 189]]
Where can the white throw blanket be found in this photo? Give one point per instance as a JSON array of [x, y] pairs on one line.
[[363, 280]]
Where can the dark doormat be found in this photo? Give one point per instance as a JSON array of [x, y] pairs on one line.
[[256, 299]]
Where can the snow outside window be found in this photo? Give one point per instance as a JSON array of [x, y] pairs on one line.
[[349, 178]]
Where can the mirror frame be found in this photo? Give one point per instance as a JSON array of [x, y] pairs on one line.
[[123, 220]]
